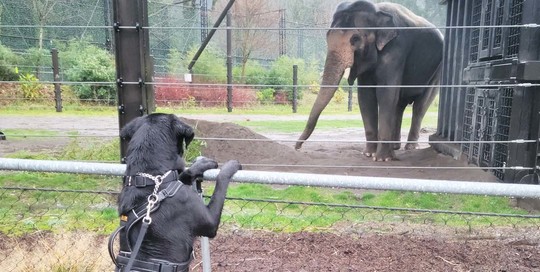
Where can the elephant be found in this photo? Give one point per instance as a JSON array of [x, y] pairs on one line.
[[372, 40]]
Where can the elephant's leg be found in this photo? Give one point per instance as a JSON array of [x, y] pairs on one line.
[[367, 100], [388, 102], [420, 107], [399, 118]]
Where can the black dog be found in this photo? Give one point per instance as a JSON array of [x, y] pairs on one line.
[[154, 155]]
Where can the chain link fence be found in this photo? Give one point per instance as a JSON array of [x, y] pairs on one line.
[[66, 229]]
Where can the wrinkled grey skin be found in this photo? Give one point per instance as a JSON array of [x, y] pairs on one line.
[[381, 57]]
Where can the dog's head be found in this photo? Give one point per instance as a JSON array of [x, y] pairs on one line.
[[156, 139]]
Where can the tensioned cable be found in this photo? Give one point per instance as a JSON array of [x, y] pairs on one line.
[[384, 208], [388, 167], [351, 206], [277, 85], [517, 141], [532, 25]]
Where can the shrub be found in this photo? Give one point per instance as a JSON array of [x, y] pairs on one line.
[[8, 64], [174, 62], [83, 62], [266, 96], [7, 73], [35, 59], [254, 74], [176, 92], [30, 86], [171, 90], [281, 73], [314, 87], [282, 97], [339, 96]]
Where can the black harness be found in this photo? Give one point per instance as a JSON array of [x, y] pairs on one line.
[[125, 261]]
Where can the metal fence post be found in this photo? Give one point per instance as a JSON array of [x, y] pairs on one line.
[[229, 63], [56, 79], [205, 242], [295, 89], [132, 55], [349, 104]]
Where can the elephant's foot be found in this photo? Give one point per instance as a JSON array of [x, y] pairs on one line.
[[384, 153], [411, 146], [370, 150], [380, 159]]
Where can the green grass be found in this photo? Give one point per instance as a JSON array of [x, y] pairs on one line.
[[286, 213]]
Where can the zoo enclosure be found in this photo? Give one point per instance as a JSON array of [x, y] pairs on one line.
[[53, 205]]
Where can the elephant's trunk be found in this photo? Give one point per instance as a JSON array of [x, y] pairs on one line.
[[334, 68]]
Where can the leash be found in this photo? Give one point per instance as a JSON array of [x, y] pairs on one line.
[[146, 209]]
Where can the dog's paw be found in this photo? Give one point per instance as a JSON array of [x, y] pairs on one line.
[[203, 163], [230, 168], [197, 169]]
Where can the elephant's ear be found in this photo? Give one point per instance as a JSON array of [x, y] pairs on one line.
[[384, 36]]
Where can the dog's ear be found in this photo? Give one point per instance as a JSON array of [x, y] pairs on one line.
[[184, 133], [130, 128]]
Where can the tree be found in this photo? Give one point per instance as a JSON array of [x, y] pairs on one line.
[[42, 9], [248, 15]]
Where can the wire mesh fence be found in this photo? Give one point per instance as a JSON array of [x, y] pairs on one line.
[[66, 229]]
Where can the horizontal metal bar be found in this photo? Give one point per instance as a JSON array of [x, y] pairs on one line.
[[281, 178], [275, 85], [517, 141], [279, 28], [62, 166]]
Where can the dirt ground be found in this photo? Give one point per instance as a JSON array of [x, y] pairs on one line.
[[275, 152], [388, 252], [252, 251]]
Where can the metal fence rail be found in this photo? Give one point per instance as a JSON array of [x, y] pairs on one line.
[[280, 178]]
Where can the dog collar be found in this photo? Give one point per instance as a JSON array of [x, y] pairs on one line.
[[140, 181]]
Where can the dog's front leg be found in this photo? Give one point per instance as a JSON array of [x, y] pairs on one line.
[[197, 170], [210, 222]]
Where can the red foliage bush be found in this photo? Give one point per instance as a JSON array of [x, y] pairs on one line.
[[171, 91], [281, 98]]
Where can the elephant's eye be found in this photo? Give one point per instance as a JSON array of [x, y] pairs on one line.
[[355, 39]]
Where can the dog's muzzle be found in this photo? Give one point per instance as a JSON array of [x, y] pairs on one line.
[[152, 266]]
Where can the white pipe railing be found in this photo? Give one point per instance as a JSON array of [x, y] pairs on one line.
[[282, 178]]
